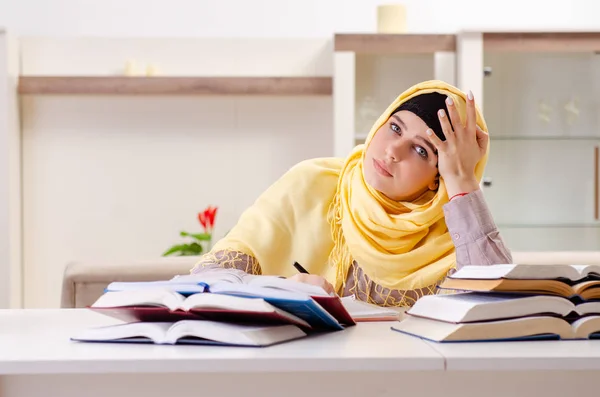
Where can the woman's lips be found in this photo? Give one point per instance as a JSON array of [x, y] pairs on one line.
[[381, 168]]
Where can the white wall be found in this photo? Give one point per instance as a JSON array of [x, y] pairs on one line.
[[116, 178], [282, 18], [10, 175]]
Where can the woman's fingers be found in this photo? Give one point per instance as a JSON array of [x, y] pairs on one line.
[[314, 279], [471, 124], [446, 127], [328, 287], [437, 142], [457, 125], [482, 137]]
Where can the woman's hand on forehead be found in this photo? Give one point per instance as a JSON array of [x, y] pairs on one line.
[[464, 147]]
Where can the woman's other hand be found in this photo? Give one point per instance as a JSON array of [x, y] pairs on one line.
[[463, 148], [313, 280]]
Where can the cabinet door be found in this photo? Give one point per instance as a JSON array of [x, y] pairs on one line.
[[543, 182]]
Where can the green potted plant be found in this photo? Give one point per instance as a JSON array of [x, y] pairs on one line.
[[197, 243]]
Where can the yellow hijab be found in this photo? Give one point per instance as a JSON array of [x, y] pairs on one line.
[[322, 214]]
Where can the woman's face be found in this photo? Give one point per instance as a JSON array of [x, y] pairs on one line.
[[400, 161]]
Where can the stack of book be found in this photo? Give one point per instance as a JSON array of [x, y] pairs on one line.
[[223, 308], [510, 302]]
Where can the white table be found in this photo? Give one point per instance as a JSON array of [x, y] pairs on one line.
[[38, 359]]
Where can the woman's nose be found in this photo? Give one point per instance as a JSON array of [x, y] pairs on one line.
[[395, 150]]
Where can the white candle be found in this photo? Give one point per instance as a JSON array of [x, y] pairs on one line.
[[391, 18]]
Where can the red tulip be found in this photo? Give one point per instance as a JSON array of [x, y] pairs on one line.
[[207, 218], [210, 214], [202, 219]]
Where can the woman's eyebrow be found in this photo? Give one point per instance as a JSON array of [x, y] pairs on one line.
[[395, 117], [429, 144]]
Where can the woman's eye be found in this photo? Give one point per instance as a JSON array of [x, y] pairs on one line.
[[395, 128], [422, 152]]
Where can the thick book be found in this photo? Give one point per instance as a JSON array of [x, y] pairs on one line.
[[519, 329], [200, 332], [322, 311], [529, 272], [470, 307], [156, 305], [576, 282]]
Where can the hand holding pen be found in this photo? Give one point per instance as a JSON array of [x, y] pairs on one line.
[[305, 277]]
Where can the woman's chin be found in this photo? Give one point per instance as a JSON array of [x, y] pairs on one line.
[[373, 181], [380, 187]]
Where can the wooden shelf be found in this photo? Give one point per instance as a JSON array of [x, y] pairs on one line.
[[542, 42], [395, 43], [121, 85]]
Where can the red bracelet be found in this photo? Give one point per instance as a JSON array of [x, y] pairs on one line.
[[458, 195]]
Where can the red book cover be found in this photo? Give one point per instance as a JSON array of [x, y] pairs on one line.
[[335, 307], [163, 314]]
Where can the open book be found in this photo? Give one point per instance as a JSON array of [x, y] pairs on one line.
[[475, 307], [308, 302], [221, 280], [526, 328], [163, 305], [192, 332], [570, 281]]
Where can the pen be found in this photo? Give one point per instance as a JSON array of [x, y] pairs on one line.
[[300, 268]]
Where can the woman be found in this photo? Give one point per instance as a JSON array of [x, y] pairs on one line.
[[388, 223]]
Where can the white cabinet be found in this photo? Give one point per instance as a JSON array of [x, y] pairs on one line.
[[543, 182], [540, 97], [541, 102]]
